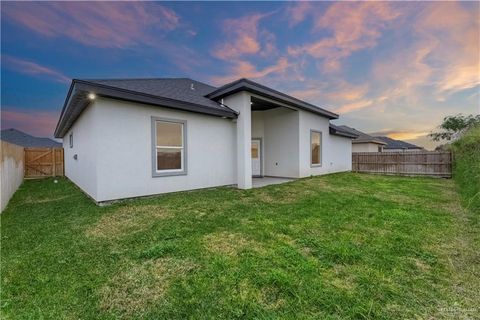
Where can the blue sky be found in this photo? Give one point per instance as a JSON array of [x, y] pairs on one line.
[[386, 67]]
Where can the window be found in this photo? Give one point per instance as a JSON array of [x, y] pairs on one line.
[[169, 152], [315, 148], [70, 137], [380, 148]]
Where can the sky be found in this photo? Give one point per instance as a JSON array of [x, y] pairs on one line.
[[389, 68]]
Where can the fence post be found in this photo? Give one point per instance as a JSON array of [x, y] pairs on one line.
[[54, 160]]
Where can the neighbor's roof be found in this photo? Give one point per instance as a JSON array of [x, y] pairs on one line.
[[396, 144], [362, 137], [178, 93], [25, 140], [339, 131]]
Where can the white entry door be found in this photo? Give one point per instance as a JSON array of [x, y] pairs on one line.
[[256, 157]]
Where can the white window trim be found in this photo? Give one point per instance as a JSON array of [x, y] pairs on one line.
[[313, 165], [168, 172]]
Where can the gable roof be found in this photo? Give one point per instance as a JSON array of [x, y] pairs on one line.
[[339, 131], [177, 93], [254, 87], [362, 137], [181, 89], [397, 144], [25, 140]]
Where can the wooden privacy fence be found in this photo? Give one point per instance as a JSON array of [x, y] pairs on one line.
[[43, 162], [422, 163]]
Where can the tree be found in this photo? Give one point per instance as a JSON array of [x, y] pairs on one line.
[[453, 127]]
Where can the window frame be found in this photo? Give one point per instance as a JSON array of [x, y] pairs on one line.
[[70, 140], [313, 165], [168, 172]]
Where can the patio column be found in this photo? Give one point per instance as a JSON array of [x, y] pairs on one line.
[[240, 102]]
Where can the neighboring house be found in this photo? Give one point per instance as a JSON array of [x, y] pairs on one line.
[[364, 142], [25, 140], [393, 145], [135, 137]]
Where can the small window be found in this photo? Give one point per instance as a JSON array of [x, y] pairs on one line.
[[315, 148], [71, 140], [380, 148], [169, 147]]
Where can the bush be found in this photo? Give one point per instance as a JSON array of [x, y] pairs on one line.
[[466, 167]]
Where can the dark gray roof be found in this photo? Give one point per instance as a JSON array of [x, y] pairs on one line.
[[397, 144], [25, 140], [254, 87], [361, 136], [339, 131], [181, 89], [177, 93]]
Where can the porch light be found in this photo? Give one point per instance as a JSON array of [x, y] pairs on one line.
[[91, 96]]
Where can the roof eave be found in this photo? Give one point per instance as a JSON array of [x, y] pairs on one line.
[[253, 87], [80, 89]]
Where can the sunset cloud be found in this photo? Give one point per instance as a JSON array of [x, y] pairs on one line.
[[104, 24], [244, 69], [349, 107], [38, 123], [297, 12], [242, 37], [354, 26], [32, 68]]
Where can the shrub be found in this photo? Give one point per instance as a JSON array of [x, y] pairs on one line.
[[466, 167]]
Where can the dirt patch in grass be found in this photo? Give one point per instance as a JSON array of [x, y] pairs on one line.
[[269, 297], [126, 220], [137, 289], [33, 200], [229, 244]]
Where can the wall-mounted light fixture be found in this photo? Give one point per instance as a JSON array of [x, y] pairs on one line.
[[91, 96]]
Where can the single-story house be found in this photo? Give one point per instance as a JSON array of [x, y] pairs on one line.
[[126, 138], [364, 142], [393, 145], [23, 139]]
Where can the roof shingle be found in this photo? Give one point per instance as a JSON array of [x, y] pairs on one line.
[[25, 140]]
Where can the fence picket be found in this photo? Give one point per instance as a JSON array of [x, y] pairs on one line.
[[422, 163]]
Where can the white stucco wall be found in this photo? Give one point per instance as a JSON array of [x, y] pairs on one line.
[[365, 147], [124, 151], [86, 133], [12, 164], [336, 151], [113, 142], [241, 103], [281, 142]]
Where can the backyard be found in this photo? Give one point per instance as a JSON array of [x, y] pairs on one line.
[[338, 246]]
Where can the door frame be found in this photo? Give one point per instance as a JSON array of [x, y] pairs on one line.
[[260, 150]]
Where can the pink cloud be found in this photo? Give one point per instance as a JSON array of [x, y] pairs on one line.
[[444, 55], [101, 24], [333, 92], [38, 123], [32, 68], [298, 12], [456, 33], [244, 69], [354, 26], [243, 37], [357, 105]]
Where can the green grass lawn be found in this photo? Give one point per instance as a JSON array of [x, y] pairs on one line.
[[333, 247]]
